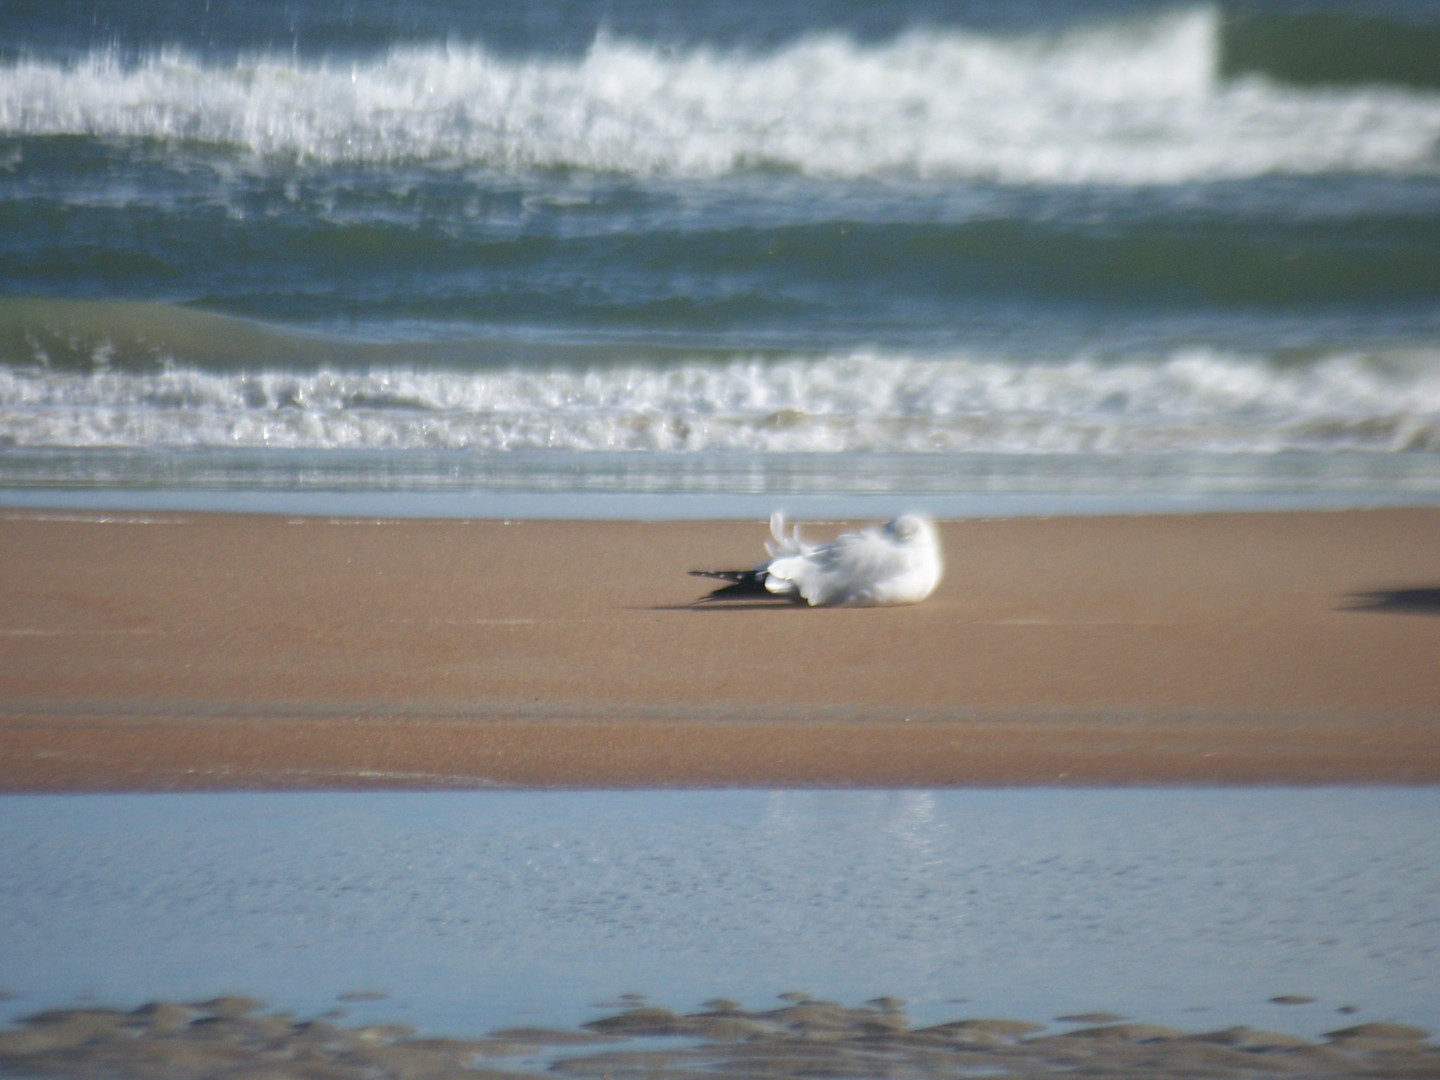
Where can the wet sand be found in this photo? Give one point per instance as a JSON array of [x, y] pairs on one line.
[[180, 651], [230, 1037]]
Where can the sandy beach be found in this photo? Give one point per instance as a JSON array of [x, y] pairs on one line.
[[191, 651]]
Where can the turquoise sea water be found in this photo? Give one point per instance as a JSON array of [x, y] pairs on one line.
[[919, 252]]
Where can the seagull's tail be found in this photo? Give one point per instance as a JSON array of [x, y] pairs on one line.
[[743, 583]]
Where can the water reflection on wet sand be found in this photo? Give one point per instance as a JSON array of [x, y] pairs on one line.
[[461, 913], [228, 1037]]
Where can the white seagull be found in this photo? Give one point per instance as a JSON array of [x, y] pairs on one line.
[[898, 563]]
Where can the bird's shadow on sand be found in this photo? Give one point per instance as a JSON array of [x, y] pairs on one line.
[[734, 605], [1424, 600]]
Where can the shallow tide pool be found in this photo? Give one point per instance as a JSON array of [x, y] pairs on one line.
[[464, 912]]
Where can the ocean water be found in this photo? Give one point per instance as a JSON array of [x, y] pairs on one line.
[[578, 249], [472, 911]]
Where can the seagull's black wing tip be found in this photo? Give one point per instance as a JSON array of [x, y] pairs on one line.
[[743, 584]]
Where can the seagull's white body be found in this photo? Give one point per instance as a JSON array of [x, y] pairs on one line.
[[898, 563]]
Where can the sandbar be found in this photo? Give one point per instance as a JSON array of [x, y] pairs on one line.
[[226, 651]]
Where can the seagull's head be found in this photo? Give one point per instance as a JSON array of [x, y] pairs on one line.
[[908, 527]]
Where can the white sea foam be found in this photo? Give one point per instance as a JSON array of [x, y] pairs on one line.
[[1194, 400], [1135, 102]]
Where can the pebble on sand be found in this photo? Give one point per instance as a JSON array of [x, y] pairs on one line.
[[1379, 1032], [1090, 1018], [362, 995]]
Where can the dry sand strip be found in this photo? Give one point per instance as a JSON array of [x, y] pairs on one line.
[[233, 651]]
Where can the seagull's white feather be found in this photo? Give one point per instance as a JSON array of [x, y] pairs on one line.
[[897, 564], [781, 543]]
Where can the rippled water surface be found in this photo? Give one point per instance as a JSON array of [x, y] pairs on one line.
[[479, 910]]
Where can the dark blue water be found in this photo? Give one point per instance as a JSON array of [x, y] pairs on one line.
[[476, 248]]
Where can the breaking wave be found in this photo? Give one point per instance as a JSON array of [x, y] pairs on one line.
[[1138, 102], [1195, 400]]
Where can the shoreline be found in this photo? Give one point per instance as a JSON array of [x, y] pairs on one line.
[[798, 1033], [687, 506], [184, 651]]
